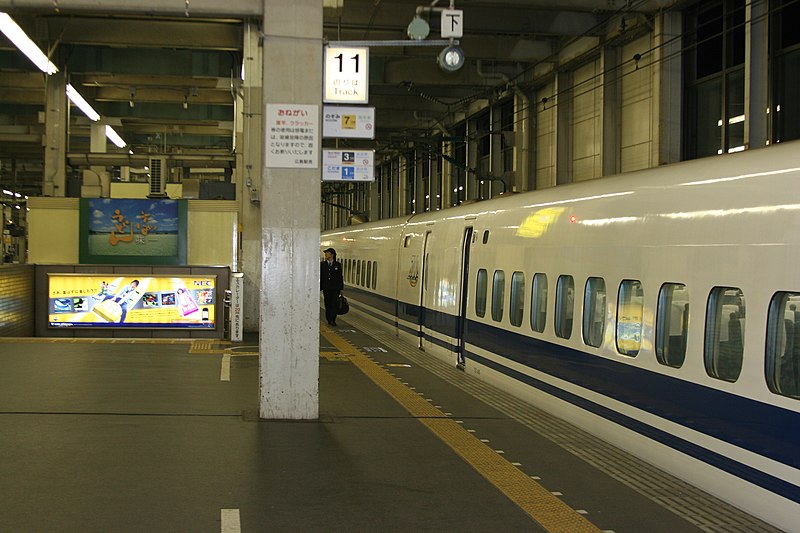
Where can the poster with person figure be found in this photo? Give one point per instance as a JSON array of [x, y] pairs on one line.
[[131, 301]]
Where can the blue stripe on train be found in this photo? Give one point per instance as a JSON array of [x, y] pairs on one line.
[[757, 477]]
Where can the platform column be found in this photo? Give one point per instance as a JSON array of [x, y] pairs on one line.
[[56, 118], [290, 222]]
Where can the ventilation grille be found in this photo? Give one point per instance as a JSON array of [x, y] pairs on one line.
[[158, 177]]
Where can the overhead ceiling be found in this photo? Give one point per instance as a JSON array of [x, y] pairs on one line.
[[166, 80]]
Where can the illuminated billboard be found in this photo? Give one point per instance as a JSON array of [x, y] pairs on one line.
[[129, 301], [133, 231]]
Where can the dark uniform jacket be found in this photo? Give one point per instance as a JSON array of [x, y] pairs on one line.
[[331, 276]]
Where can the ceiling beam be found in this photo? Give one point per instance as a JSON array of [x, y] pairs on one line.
[[145, 33], [193, 8]]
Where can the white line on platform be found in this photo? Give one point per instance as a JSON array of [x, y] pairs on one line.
[[225, 369], [229, 521]]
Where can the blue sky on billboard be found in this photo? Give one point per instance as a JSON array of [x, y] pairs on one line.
[[160, 213]]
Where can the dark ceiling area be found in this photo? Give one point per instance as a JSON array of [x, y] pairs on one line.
[[168, 83]]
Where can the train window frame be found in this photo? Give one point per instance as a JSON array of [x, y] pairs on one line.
[[626, 330], [717, 357], [594, 317], [538, 318], [781, 338], [498, 294], [358, 272], [481, 289], [672, 325], [516, 301], [486, 236], [374, 274], [369, 275], [564, 309]]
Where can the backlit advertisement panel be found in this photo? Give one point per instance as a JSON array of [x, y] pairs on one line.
[[130, 301]]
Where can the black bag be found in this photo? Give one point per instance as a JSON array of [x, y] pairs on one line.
[[342, 307]]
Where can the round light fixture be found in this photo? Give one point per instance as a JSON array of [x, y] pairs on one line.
[[451, 58], [418, 29]]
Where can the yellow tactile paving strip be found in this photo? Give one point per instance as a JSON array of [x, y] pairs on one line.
[[88, 340], [550, 512]]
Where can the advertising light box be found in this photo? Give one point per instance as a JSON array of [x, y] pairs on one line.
[[130, 301]]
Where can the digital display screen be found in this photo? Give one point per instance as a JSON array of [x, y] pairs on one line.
[[130, 301]]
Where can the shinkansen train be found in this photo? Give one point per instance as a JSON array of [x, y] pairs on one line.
[[659, 310]]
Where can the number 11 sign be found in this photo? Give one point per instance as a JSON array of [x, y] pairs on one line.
[[346, 75]]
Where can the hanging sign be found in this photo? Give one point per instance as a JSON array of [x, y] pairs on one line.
[[346, 75], [452, 23], [348, 122], [348, 165]]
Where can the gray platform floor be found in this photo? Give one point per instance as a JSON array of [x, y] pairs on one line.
[[141, 437]]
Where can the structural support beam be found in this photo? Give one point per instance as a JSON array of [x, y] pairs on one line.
[[756, 86], [56, 117], [192, 8], [290, 222]]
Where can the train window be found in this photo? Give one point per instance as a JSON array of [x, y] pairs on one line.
[[498, 294], [539, 302], [358, 272], [517, 302], [369, 274], [486, 236], [672, 324], [363, 272], [783, 344], [346, 267], [630, 312], [724, 343], [594, 311], [375, 275], [565, 304], [407, 241], [480, 293]]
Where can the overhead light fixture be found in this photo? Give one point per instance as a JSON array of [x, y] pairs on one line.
[[451, 58], [114, 137], [418, 29], [21, 40], [82, 104]]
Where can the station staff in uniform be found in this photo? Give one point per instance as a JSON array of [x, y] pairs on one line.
[[331, 283]]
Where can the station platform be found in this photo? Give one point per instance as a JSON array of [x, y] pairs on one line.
[[127, 435]]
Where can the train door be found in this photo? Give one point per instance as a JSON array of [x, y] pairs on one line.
[[461, 332], [423, 289]]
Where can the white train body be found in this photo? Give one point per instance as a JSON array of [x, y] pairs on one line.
[[719, 234]]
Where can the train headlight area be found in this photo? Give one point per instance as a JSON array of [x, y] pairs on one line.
[[143, 435]]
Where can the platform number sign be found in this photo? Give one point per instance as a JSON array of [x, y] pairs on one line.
[[346, 75]]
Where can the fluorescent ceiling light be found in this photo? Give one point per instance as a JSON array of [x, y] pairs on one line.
[[82, 104], [114, 137], [21, 40]]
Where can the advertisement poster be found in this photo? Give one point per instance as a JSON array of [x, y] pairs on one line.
[[133, 231], [113, 301]]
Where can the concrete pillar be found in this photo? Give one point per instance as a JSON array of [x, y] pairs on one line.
[[374, 195], [249, 160], [524, 137], [667, 70], [563, 133], [96, 180], [612, 102], [756, 72], [56, 118], [289, 360]]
